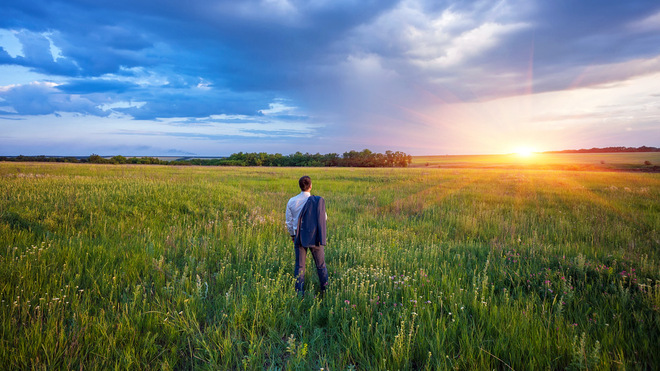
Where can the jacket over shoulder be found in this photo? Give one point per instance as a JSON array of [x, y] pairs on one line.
[[312, 223]]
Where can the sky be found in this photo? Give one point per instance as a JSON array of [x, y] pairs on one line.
[[427, 77]]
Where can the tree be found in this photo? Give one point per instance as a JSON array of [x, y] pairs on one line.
[[118, 159], [96, 159]]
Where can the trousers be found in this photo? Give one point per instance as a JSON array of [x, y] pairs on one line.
[[318, 253]]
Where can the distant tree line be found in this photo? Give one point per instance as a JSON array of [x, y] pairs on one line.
[[94, 159], [364, 158], [609, 150], [22, 158]]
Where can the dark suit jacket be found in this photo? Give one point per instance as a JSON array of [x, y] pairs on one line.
[[311, 223]]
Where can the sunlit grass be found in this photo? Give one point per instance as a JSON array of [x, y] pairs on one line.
[[544, 161], [177, 268]]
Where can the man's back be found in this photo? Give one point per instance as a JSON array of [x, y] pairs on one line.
[[312, 223], [305, 220]]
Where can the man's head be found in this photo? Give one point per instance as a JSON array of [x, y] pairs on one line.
[[305, 183]]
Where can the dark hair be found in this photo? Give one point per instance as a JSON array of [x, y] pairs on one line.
[[305, 183]]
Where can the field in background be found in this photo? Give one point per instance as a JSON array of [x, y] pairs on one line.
[[548, 161], [159, 267]]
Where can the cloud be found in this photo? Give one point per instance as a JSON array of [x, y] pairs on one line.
[[414, 33], [43, 99], [96, 86], [350, 72], [650, 23], [468, 44], [194, 102], [5, 58], [37, 54]]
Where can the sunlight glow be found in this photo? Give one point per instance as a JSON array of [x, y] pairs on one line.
[[524, 151]]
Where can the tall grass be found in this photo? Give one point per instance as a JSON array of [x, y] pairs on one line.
[[177, 268]]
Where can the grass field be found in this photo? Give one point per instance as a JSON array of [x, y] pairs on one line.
[[547, 161], [155, 267]]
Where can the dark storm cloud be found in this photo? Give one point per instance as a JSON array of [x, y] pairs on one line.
[[236, 46], [38, 56], [231, 35]]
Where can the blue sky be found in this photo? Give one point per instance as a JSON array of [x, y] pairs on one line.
[[211, 78]]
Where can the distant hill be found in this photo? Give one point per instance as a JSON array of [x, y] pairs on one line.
[[609, 150]]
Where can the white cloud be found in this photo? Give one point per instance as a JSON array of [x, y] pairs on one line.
[[459, 49], [140, 76], [279, 107], [647, 24], [204, 84], [413, 35], [34, 84], [123, 104]]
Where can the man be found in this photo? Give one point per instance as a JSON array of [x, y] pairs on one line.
[[306, 222]]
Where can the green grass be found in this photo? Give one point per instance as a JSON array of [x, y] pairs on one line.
[[157, 267], [547, 161]]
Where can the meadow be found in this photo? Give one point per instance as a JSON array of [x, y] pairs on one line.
[[622, 161], [163, 267]]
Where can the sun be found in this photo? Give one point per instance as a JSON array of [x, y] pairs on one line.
[[524, 151]]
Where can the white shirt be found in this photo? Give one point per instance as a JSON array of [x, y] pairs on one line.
[[293, 208]]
